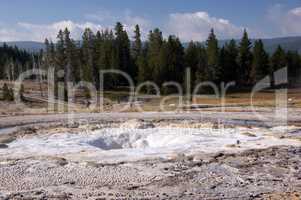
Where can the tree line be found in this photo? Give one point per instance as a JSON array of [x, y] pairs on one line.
[[160, 59], [14, 61]]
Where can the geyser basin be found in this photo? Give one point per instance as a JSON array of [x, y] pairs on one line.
[[117, 144], [165, 138]]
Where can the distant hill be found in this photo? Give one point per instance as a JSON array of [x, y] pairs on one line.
[[26, 45], [288, 43]]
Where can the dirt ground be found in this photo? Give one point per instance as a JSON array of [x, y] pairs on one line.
[[36, 101]]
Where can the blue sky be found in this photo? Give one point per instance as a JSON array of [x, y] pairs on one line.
[[190, 20]]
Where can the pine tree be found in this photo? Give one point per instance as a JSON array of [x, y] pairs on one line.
[[122, 43], [162, 70], [223, 63], [136, 51], [200, 74], [137, 44], [153, 54], [69, 56], [50, 54], [142, 65], [87, 55], [75, 61], [60, 61], [294, 66], [48, 57], [108, 58], [260, 65], [245, 59], [60, 51], [98, 55], [47, 48], [212, 72], [192, 56], [175, 58], [278, 59], [229, 66], [192, 60]]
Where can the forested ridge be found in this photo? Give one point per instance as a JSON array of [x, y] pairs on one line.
[[157, 59]]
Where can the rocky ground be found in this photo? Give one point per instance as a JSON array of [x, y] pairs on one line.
[[272, 173]]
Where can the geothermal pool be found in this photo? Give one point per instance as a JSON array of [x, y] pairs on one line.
[[124, 144]]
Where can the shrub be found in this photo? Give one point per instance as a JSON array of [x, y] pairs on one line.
[[8, 94]]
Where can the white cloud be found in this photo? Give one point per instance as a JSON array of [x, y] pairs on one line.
[[8, 34], [188, 26], [38, 32], [24, 31], [131, 21], [127, 18], [286, 22], [292, 22], [196, 26]]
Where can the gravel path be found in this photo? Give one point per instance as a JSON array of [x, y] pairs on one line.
[[237, 118]]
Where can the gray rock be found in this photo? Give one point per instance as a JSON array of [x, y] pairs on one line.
[[137, 124], [3, 146], [60, 161], [5, 139], [73, 125]]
